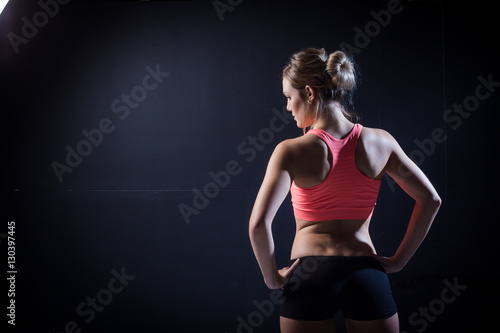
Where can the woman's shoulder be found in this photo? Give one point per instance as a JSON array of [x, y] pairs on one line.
[[374, 150], [297, 151], [373, 132], [377, 137], [302, 144]]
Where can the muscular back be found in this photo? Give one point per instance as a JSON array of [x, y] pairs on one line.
[[310, 165], [312, 160], [306, 161]]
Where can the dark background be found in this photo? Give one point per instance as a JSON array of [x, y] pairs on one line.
[[119, 207]]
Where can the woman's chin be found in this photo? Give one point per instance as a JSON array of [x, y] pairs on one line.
[[300, 124]]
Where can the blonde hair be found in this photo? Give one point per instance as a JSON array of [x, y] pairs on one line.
[[332, 77]]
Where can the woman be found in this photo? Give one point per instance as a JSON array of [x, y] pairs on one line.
[[333, 173]]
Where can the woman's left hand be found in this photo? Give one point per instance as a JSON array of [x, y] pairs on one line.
[[389, 263]]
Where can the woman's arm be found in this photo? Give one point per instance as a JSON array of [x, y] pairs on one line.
[[273, 191], [427, 202]]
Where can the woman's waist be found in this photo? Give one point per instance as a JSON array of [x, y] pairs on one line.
[[307, 243]]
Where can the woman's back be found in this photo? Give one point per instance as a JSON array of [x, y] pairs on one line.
[[312, 158], [334, 192]]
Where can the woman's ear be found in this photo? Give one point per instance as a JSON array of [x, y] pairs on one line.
[[310, 94]]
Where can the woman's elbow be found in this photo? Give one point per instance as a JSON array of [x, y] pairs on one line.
[[430, 199], [433, 200], [253, 225], [256, 226], [438, 201]]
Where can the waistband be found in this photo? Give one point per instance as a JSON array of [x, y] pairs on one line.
[[363, 260]]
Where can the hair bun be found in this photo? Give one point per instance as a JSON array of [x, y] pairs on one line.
[[341, 70]]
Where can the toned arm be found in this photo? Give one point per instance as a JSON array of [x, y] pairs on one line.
[[273, 191], [427, 202]]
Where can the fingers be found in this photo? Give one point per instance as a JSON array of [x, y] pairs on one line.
[[388, 263], [381, 259], [287, 271], [294, 265]]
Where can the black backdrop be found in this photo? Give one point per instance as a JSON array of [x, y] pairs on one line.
[[137, 135]]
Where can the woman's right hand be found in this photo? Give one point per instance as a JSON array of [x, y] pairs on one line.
[[282, 276]]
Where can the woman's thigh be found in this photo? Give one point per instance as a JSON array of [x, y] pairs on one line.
[[388, 325], [305, 326]]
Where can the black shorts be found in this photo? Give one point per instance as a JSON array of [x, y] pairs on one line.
[[321, 286]]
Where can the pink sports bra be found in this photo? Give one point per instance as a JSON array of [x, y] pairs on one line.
[[346, 193]]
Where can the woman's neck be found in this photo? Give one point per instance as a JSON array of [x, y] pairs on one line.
[[333, 121]]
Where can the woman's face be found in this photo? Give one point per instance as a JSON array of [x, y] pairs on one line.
[[296, 104]]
